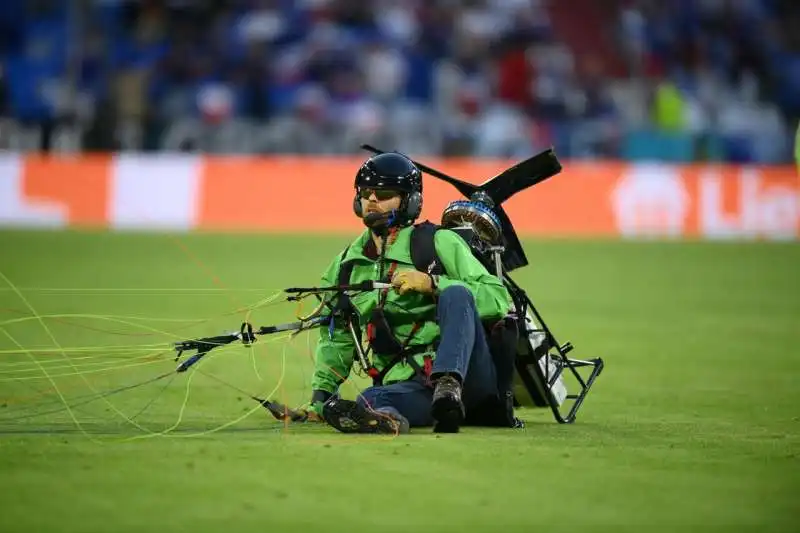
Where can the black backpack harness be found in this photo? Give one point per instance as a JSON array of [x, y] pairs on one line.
[[380, 335]]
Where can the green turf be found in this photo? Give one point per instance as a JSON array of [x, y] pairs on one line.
[[692, 426]]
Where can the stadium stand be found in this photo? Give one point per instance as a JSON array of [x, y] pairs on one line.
[[677, 80]]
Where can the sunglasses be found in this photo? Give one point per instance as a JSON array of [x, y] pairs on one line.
[[380, 194]]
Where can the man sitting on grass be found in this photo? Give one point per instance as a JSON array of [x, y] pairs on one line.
[[431, 364]]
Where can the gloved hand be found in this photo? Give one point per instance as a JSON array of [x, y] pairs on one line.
[[413, 280], [284, 413]]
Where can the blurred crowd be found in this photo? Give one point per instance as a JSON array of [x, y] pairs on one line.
[[676, 80]]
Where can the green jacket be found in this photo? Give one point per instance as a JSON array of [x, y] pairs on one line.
[[334, 355]]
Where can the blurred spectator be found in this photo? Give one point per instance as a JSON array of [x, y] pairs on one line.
[[4, 103], [675, 80]]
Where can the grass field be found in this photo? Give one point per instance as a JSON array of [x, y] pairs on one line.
[[693, 426]]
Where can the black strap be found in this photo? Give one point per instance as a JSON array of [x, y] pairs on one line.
[[425, 259], [423, 254], [345, 272], [408, 356], [423, 248], [344, 307]]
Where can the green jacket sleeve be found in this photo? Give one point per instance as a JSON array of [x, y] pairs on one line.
[[334, 354], [491, 296]]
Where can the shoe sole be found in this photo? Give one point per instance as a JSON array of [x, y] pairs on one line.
[[348, 416], [448, 415]]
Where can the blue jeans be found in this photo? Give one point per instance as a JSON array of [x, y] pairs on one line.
[[462, 350]]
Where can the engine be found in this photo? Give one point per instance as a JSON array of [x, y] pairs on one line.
[[478, 224]]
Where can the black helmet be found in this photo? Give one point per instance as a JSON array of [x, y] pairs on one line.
[[394, 171], [390, 170]]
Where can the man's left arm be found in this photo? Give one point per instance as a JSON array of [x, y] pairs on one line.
[[491, 296]]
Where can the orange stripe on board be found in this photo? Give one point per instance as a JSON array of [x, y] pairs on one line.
[[80, 184], [316, 194], [313, 194], [277, 194], [575, 202], [744, 201], [570, 203]]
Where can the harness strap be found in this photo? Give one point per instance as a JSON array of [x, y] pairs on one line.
[[407, 356], [425, 243], [423, 372], [385, 292]]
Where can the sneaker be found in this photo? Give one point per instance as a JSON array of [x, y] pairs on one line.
[[351, 417], [447, 408]]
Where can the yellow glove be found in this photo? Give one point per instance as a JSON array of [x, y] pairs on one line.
[[412, 280]]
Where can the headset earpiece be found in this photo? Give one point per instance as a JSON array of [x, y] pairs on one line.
[[413, 206], [357, 209]]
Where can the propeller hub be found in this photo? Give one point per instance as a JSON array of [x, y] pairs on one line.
[[476, 216]]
